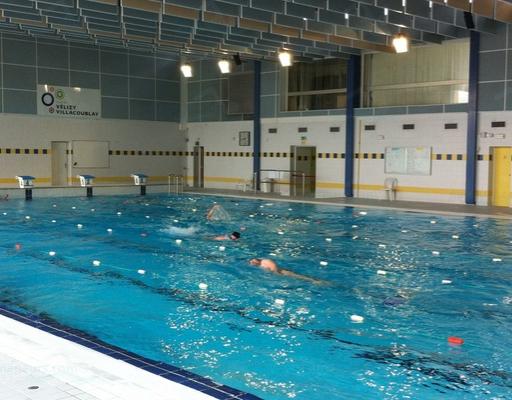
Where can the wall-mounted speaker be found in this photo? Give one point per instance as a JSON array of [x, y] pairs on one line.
[[468, 20], [237, 59]]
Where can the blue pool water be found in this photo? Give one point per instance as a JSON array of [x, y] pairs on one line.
[[234, 332]]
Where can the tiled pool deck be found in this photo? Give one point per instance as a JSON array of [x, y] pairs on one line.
[[41, 359], [413, 206]]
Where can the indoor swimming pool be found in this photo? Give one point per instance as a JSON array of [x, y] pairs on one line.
[[144, 274]]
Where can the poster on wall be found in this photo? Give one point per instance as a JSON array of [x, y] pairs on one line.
[[68, 102], [408, 160]]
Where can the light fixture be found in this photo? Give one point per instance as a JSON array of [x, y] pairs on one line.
[[224, 66], [186, 70], [401, 43], [285, 58]]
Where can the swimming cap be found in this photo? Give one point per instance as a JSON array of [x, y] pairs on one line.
[[236, 235]]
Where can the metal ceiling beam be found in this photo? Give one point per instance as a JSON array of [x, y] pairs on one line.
[[259, 28]]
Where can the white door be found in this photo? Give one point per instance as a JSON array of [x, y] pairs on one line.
[[59, 163]]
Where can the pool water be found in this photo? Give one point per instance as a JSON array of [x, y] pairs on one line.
[[416, 279]]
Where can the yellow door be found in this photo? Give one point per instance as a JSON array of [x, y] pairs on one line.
[[501, 157]]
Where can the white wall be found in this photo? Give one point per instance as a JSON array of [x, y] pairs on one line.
[[445, 184], [35, 132]]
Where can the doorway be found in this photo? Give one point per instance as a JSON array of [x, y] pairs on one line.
[[198, 166], [303, 171], [499, 189], [59, 163]]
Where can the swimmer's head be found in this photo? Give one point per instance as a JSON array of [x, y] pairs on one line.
[[234, 235], [255, 261]]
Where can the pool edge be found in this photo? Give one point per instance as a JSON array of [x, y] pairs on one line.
[[161, 369]]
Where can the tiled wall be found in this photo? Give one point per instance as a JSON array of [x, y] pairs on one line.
[[134, 85], [495, 73]]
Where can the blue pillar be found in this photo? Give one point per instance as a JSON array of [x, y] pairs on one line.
[[472, 134], [353, 99], [256, 165]]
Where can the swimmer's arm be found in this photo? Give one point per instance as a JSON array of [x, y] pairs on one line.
[[223, 237], [210, 212]]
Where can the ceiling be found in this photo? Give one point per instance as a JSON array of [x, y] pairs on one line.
[[311, 29]]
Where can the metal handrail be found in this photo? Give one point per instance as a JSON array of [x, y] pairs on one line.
[[177, 182], [292, 174]]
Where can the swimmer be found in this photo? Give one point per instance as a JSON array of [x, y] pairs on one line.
[[217, 213], [5, 198], [270, 266], [231, 236]]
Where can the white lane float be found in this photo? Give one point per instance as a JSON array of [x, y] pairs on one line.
[[357, 319]]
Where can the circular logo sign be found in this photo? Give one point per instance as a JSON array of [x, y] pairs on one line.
[[47, 99], [59, 94]]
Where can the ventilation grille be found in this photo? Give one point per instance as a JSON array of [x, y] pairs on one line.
[[369, 127], [303, 130], [334, 129], [498, 124], [408, 126], [272, 130], [451, 126]]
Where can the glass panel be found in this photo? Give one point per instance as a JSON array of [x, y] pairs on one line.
[[445, 94], [316, 77], [317, 102], [425, 75]]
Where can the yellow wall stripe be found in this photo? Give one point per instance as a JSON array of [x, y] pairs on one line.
[[182, 153]]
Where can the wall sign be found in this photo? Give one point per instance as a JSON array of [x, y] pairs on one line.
[[68, 102], [244, 138], [408, 160]]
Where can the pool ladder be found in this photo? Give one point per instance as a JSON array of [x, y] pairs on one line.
[[175, 184]]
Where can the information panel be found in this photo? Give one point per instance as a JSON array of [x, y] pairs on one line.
[[91, 154], [408, 160], [68, 102]]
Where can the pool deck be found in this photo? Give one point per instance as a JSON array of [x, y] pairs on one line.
[[43, 360], [412, 206], [63, 370]]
